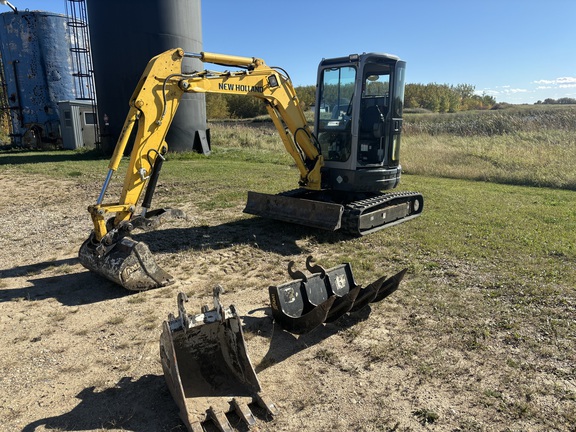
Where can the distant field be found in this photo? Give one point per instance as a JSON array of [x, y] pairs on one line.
[[531, 145]]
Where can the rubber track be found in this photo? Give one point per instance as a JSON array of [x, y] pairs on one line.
[[353, 210]]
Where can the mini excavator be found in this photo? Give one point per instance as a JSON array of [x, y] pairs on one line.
[[350, 156]]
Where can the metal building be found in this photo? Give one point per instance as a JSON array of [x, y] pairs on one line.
[[124, 36], [78, 124], [37, 74]]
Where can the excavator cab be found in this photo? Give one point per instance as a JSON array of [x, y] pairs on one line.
[[358, 125], [359, 121]]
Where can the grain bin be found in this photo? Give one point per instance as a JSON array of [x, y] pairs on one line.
[[125, 35], [37, 69]]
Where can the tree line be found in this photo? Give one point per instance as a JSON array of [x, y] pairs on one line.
[[438, 98], [443, 98], [561, 101]]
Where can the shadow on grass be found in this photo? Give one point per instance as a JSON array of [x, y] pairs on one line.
[[20, 157], [139, 405]]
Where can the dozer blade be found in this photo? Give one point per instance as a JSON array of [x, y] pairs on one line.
[[128, 263], [311, 213], [207, 368]]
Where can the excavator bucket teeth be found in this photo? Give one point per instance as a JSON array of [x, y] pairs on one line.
[[389, 286], [343, 304], [207, 368], [128, 263], [311, 213], [368, 294], [306, 302]]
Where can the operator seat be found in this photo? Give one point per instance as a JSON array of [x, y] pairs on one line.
[[370, 122]]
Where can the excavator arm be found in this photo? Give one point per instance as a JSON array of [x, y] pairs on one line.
[[109, 251], [282, 104], [155, 102]]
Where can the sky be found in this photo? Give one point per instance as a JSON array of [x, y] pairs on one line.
[[518, 51]]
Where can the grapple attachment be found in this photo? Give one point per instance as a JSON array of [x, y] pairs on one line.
[[207, 368], [308, 301]]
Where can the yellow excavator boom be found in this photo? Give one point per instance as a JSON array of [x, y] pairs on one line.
[[155, 102]]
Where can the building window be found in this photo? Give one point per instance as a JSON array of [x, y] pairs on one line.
[[67, 118], [89, 118]]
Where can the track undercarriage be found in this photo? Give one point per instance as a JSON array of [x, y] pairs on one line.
[[356, 215]]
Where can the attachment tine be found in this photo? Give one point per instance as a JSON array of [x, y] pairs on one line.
[[243, 412], [182, 315], [390, 285], [196, 427], [263, 402]]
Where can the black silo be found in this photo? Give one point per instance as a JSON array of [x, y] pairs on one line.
[[125, 35]]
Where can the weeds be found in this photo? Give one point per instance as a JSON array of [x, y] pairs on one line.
[[115, 320], [491, 123], [425, 416], [326, 356], [136, 299], [57, 316], [149, 319], [523, 147]]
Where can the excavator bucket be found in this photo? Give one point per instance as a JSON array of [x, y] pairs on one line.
[[207, 368], [128, 263], [125, 261], [308, 301]]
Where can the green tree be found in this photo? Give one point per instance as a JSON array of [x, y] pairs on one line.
[[307, 95], [216, 106], [245, 106], [445, 98]]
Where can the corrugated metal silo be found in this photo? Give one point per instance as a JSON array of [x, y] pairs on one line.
[[124, 36], [37, 73]]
